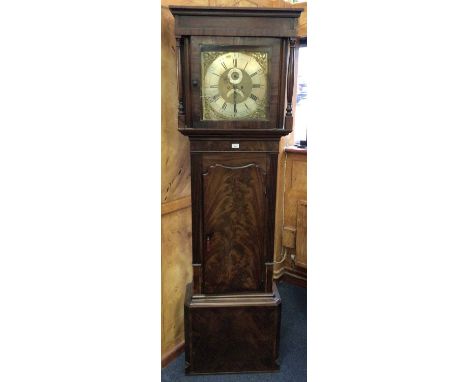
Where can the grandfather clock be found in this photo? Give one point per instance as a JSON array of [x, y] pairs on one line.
[[235, 79]]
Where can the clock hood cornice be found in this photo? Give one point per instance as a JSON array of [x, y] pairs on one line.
[[235, 11], [236, 21]]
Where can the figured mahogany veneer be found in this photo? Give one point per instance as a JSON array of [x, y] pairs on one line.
[[233, 212], [234, 198]]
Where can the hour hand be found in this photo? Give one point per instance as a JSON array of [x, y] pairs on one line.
[[240, 92]]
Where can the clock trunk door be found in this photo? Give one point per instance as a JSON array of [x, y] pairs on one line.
[[234, 204]]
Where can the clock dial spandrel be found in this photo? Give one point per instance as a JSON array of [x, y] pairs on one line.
[[234, 85]]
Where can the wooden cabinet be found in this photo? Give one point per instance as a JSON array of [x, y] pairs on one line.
[[236, 80], [294, 234]]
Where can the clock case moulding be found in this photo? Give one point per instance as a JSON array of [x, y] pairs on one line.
[[232, 307]]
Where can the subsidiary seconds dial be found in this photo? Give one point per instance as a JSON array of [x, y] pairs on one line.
[[234, 86]]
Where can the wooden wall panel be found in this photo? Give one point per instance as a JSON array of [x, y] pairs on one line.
[[176, 273], [175, 195], [293, 215], [301, 234], [175, 159], [302, 24]]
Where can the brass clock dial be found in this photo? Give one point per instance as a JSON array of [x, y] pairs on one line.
[[234, 85]]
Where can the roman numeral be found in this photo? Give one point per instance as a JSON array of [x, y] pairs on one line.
[[253, 96], [235, 62], [214, 98], [224, 106], [215, 74], [246, 64], [223, 65], [235, 108], [246, 106], [253, 74], [215, 86]]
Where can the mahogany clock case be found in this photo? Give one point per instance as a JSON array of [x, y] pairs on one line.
[[232, 307]]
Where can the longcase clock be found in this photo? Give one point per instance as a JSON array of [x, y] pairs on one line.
[[235, 80]]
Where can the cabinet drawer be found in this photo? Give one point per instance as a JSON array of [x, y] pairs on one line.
[[233, 145]]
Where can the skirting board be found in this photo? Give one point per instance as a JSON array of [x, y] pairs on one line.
[[172, 354], [292, 278]]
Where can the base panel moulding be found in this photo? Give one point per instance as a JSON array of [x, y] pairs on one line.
[[232, 333]]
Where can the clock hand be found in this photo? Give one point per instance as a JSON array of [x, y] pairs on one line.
[[241, 93], [235, 102]]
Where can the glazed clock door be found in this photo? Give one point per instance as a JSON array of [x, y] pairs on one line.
[[235, 82], [234, 204]]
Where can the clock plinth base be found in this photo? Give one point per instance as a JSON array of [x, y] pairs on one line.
[[232, 333]]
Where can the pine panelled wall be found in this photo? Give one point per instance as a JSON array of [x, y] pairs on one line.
[[293, 233], [176, 257]]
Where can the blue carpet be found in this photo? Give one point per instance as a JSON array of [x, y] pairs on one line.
[[293, 346]]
